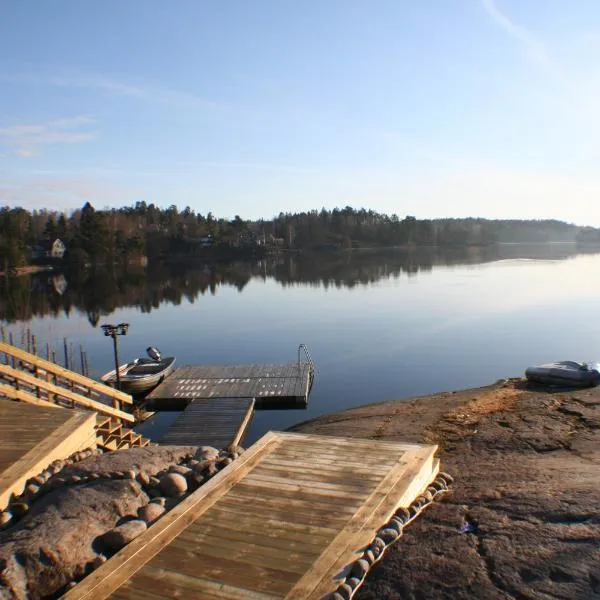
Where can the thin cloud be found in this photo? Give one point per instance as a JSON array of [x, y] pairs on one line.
[[534, 47], [27, 137], [146, 93]]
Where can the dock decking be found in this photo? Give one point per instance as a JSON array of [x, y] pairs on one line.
[[285, 520], [31, 437], [217, 422], [273, 386]]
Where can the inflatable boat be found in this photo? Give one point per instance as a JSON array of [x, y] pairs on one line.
[[566, 372]]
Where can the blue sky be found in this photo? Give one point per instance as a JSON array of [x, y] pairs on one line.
[[432, 108]]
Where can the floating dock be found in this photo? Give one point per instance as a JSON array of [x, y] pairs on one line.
[[272, 386], [219, 423], [285, 520], [31, 437]]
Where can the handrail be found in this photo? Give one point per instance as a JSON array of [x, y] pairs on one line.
[[51, 389], [10, 392], [309, 361], [57, 370]]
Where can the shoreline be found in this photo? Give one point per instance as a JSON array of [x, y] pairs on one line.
[[522, 519]]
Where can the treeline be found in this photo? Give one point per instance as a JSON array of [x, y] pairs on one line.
[[145, 230]]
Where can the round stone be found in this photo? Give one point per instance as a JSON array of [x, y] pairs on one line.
[[18, 509], [32, 489], [143, 478], [360, 568], [173, 484], [180, 469], [160, 500], [388, 535], [353, 582], [345, 591], [121, 535], [206, 453], [151, 512], [5, 518]]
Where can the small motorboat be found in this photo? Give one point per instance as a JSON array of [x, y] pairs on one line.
[[566, 372], [142, 374]]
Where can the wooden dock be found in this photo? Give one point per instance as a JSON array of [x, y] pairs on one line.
[[285, 520], [272, 386], [217, 422], [31, 437]]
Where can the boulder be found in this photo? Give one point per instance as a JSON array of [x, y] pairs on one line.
[[151, 460], [121, 535], [54, 542], [206, 453], [174, 485], [151, 512]]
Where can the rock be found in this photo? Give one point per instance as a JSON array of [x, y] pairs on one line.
[[192, 463], [161, 500], [53, 542], [121, 535], [360, 568], [345, 591], [154, 481], [98, 561], [224, 462], [5, 518], [206, 453], [181, 470], [32, 489], [18, 509], [130, 474], [388, 535], [151, 459], [143, 478], [151, 512], [353, 582], [173, 484], [154, 493]]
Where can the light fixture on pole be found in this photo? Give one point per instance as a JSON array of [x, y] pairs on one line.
[[114, 331]]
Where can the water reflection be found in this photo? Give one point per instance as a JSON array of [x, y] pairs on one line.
[[99, 292]]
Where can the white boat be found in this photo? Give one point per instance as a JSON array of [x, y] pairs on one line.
[[142, 374]]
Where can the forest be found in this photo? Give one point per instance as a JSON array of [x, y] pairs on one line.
[[121, 235]]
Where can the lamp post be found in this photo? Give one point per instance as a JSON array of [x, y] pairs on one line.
[[114, 331]]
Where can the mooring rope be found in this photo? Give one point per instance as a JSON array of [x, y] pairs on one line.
[[388, 535]]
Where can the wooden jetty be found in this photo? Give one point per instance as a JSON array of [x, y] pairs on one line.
[[272, 386], [285, 520], [32, 436], [217, 422]]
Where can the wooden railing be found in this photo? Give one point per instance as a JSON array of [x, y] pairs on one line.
[[50, 392], [39, 367]]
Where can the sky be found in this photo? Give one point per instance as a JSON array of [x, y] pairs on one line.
[[435, 108]]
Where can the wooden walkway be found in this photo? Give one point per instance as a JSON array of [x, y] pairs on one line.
[[273, 386], [218, 423], [31, 437], [283, 521]]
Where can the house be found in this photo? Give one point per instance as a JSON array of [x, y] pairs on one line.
[[48, 249]]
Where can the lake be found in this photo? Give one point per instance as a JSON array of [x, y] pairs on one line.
[[379, 325]]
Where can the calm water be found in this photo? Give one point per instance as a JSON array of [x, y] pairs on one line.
[[379, 325]]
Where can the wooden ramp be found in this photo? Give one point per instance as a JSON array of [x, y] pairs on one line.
[[273, 386], [31, 437], [283, 521], [218, 423]]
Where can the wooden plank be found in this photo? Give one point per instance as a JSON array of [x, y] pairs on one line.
[[54, 369], [285, 382], [10, 392], [219, 423], [246, 520], [40, 436], [23, 377], [104, 581]]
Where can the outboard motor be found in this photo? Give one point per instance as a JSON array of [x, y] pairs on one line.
[[153, 353]]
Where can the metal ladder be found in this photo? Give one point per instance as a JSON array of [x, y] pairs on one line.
[[306, 359]]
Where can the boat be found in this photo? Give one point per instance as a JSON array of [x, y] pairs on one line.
[[566, 372], [142, 374]]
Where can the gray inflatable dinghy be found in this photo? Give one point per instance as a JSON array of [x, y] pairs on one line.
[[566, 372]]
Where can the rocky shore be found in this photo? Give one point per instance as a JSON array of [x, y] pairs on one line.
[[79, 512], [522, 519]]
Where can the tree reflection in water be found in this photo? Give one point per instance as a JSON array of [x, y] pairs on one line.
[[99, 292]]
